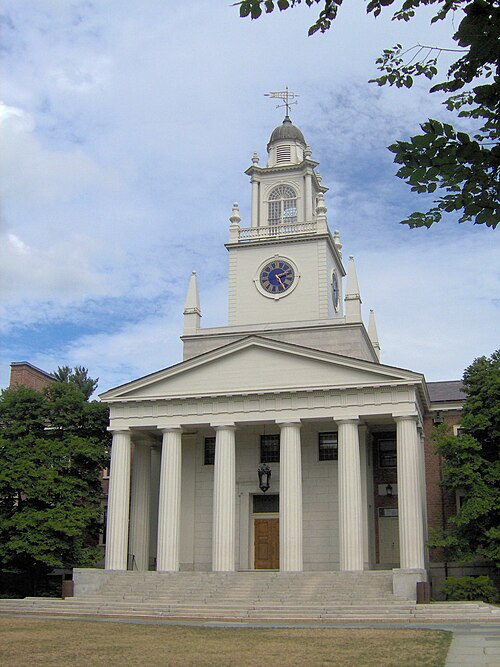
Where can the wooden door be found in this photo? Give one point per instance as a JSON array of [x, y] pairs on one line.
[[267, 544], [388, 536]]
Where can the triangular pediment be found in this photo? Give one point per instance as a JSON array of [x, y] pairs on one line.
[[256, 365]]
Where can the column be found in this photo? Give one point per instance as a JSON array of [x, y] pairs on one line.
[[118, 502], [224, 513], [308, 198], [291, 559], [411, 529], [140, 504], [350, 503], [255, 202], [169, 502]]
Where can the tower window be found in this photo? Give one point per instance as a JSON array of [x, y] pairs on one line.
[[282, 206], [283, 154]]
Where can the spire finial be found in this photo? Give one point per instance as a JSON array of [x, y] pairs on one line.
[[285, 95]]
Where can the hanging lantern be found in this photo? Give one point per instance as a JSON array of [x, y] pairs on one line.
[[264, 472]]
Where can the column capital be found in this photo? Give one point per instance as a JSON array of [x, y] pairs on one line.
[[288, 422], [348, 419], [220, 427], [169, 428], [115, 431], [400, 418]]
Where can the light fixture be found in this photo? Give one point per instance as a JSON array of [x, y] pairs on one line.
[[438, 418], [264, 472], [388, 490]]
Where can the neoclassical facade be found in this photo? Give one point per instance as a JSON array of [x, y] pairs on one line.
[[293, 383]]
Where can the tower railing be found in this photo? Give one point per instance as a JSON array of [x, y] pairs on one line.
[[277, 231]]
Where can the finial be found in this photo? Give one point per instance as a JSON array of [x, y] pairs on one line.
[[318, 176], [235, 217], [255, 159], [321, 207], [308, 151], [286, 96]]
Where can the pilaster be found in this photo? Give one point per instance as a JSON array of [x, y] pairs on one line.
[[140, 506]]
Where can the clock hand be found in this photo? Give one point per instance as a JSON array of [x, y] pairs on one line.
[[278, 277]]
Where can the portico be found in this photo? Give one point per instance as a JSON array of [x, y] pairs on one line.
[[325, 507]]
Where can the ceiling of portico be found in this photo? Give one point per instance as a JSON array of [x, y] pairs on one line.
[[260, 365]]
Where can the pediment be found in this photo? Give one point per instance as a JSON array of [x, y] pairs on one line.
[[257, 365]]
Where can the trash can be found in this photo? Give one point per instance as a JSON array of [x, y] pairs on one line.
[[67, 588], [423, 592]]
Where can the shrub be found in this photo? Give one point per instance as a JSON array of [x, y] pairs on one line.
[[470, 588]]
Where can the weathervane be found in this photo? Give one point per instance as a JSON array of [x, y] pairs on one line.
[[284, 95]]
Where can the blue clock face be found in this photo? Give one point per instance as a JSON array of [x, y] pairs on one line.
[[277, 276]]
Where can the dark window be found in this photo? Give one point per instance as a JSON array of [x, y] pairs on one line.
[[262, 504], [387, 453], [269, 448], [328, 446], [209, 451]]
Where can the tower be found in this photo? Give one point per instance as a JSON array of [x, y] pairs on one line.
[[294, 263], [285, 269]]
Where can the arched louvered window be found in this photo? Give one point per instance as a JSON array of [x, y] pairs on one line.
[[282, 206]]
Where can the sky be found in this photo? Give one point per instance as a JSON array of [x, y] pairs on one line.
[[126, 129]]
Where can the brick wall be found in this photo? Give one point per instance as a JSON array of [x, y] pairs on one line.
[[24, 374]]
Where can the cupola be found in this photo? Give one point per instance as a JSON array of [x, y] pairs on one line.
[[286, 145]]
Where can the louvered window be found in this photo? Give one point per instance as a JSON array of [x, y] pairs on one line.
[[283, 154], [282, 206]]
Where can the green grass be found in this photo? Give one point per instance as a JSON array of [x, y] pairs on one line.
[[57, 643]]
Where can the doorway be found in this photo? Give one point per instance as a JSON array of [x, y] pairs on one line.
[[266, 544], [388, 536]]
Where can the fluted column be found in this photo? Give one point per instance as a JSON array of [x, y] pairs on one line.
[[224, 511], [169, 502], [411, 529], [140, 506], [350, 504], [118, 502], [291, 549]]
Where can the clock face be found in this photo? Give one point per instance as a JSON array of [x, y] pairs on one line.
[[335, 291], [277, 276]]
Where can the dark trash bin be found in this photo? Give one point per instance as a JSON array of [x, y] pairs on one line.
[[423, 592]]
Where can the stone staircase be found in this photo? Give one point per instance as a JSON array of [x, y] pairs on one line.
[[253, 597]]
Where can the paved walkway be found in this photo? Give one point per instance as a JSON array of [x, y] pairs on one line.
[[474, 646]]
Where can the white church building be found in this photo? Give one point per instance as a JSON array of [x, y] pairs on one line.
[[290, 395]]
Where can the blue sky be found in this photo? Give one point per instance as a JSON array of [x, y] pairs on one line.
[[125, 131]]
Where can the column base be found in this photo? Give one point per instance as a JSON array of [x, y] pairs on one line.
[[404, 582]]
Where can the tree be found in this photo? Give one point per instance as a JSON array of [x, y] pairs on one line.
[[471, 465], [53, 446], [79, 377], [462, 169]]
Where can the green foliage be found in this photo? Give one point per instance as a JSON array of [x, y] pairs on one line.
[[52, 448], [463, 169], [470, 588], [79, 377], [471, 466]]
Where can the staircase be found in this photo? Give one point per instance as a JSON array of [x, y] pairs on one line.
[[254, 597]]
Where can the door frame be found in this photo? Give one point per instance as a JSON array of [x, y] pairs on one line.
[[259, 515]]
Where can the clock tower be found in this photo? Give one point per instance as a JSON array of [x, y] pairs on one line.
[[285, 269]]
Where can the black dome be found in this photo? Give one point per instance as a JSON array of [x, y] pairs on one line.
[[286, 131]]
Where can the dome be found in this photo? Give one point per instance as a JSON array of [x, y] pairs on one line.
[[286, 131]]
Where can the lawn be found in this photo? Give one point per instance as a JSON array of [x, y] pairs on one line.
[[56, 643]]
